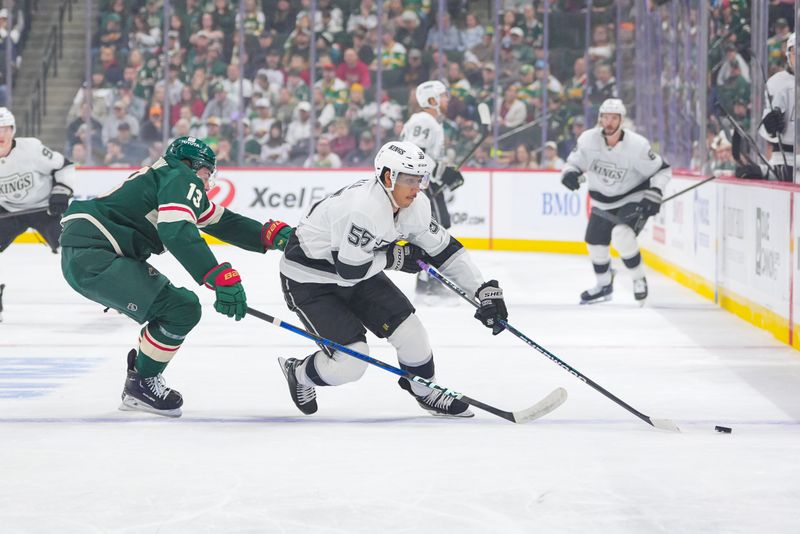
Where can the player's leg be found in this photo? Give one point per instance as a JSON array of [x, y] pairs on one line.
[[10, 228], [425, 284], [624, 239], [324, 310], [139, 291], [598, 240], [387, 313], [47, 225]]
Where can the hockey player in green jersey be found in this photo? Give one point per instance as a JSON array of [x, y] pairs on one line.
[[106, 242]]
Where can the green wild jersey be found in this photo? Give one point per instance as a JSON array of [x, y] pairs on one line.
[[158, 207]]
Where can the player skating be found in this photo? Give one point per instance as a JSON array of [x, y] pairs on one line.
[[106, 242], [626, 180], [35, 186], [779, 117], [332, 277], [425, 130]]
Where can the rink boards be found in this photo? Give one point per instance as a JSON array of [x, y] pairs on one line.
[[730, 240]]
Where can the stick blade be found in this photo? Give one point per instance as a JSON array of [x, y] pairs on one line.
[[553, 400], [484, 114], [664, 424]]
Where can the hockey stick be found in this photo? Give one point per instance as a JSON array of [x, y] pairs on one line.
[[552, 401], [10, 214], [740, 130], [485, 117], [524, 127], [663, 424]]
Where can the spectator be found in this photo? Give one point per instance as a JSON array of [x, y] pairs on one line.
[[363, 47], [190, 99], [343, 142], [154, 152], [353, 70], [109, 64], [524, 158], [393, 54], [257, 53], [329, 18], [224, 153], [153, 129], [214, 33], [486, 88], [512, 110], [275, 151], [282, 18], [124, 91], [232, 84], [722, 159], [173, 84], [333, 89], [509, 65], [364, 154], [545, 78], [450, 36], [199, 85], [323, 157], [254, 19], [732, 57], [117, 117], [182, 128], [480, 159], [144, 37], [472, 34], [263, 120], [78, 155], [364, 19], [415, 72], [275, 74], [484, 50], [111, 33], [775, 50], [213, 132], [534, 30], [523, 52], [550, 159], [222, 106], [410, 32], [300, 127], [576, 126], [735, 87], [285, 106], [132, 150], [80, 120], [114, 156], [602, 49], [576, 86], [604, 85]]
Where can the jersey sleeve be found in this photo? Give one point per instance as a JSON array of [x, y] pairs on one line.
[[353, 247], [654, 167], [51, 162], [577, 160], [238, 230], [182, 201]]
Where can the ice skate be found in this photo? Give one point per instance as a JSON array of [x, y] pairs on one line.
[[438, 404], [149, 394], [640, 290], [304, 397], [599, 293], [2, 288]]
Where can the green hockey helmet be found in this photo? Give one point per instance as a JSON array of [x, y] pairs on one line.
[[195, 151]]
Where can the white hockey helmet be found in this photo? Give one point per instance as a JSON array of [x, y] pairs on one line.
[[430, 89], [7, 119], [402, 157], [613, 105], [790, 45]]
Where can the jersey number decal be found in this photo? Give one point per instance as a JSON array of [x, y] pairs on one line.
[[418, 130], [47, 153], [359, 237], [198, 195]]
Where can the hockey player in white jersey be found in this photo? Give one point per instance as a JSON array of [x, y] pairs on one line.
[[35, 186], [425, 130], [777, 124], [332, 277], [626, 179]]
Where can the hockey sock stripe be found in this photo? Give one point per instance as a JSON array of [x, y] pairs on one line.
[[632, 262], [160, 352], [311, 371], [600, 268]]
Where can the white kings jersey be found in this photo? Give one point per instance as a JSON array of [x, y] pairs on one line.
[[28, 172], [343, 239], [619, 175], [426, 132], [781, 87]]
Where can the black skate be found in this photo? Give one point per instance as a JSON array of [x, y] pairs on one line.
[[304, 397], [149, 394], [436, 403], [2, 288], [640, 290], [599, 293]]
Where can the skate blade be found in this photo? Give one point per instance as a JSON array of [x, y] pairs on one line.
[[130, 404], [466, 414], [641, 302], [596, 301]]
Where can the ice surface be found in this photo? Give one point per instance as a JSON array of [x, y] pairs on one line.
[[243, 459]]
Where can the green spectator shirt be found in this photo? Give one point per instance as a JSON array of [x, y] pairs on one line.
[[158, 207]]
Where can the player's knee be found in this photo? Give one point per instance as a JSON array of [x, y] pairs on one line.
[[410, 339], [183, 310], [624, 240], [599, 254], [343, 368]]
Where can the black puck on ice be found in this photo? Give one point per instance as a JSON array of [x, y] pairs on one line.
[[723, 429]]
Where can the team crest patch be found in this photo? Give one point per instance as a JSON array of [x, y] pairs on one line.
[[132, 307], [434, 227], [16, 187]]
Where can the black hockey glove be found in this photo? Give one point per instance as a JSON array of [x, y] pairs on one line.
[[774, 122], [492, 308], [651, 203], [749, 170], [404, 257], [571, 180], [452, 178], [59, 200]]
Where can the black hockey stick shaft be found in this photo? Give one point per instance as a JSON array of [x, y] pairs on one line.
[[509, 416], [682, 191], [743, 133], [485, 119], [10, 214], [552, 357]]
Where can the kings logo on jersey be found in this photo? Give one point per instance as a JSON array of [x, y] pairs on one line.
[[17, 186], [609, 173]]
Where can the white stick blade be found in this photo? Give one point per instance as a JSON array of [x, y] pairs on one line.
[[484, 114], [552, 401], [665, 424]]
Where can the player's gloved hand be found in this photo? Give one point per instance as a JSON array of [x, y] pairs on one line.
[[59, 200], [571, 180], [492, 308], [774, 121], [404, 257], [749, 170], [275, 234], [651, 203], [227, 284], [452, 178]]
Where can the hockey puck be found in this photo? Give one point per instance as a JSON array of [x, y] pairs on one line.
[[723, 429]]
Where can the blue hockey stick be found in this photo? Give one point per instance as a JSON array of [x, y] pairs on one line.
[[663, 424], [552, 401]]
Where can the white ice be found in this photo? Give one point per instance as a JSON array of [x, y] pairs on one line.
[[243, 459]]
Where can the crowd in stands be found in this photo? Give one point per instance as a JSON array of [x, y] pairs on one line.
[[203, 80], [14, 29], [268, 99]]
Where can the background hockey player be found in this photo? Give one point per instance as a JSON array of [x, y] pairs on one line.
[[626, 179], [425, 130], [35, 186], [107, 240], [332, 277], [777, 125]]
